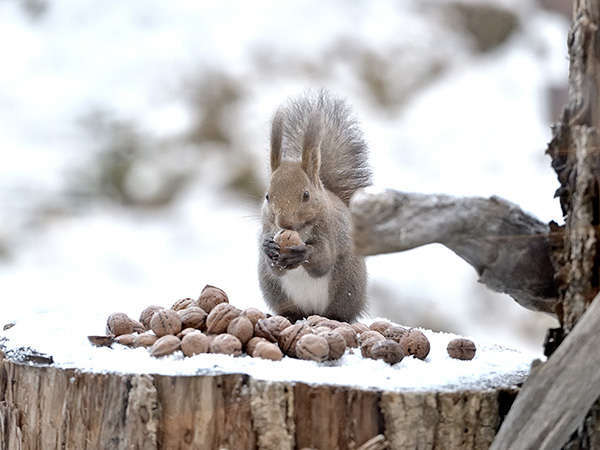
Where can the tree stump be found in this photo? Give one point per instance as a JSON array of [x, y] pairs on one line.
[[47, 407]]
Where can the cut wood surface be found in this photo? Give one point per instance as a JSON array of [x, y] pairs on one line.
[[45, 407], [508, 248]]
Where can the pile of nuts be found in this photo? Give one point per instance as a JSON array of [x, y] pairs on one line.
[[210, 324]]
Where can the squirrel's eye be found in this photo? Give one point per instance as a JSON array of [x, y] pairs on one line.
[[267, 196], [305, 196]]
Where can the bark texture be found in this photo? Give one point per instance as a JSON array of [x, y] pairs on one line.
[[509, 249], [44, 407]]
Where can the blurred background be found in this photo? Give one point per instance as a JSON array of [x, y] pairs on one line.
[[134, 143]]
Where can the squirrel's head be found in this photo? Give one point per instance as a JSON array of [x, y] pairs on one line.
[[296, 195]]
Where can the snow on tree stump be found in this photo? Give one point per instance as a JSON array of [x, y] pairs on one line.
[[44, 406]]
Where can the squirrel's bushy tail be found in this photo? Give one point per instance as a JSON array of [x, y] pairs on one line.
[[344, 166]]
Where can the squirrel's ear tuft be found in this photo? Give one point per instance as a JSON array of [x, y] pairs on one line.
[[311, 148], [276, 138]]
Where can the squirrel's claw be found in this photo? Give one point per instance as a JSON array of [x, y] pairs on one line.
[[271, 249], [293, 257]]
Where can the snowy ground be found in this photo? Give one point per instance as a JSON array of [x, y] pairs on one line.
[[479, 128]]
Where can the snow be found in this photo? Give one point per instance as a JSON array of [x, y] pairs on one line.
[[494, 366], [478, 129]]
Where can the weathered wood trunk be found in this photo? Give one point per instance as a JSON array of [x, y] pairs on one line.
[[44, 407]]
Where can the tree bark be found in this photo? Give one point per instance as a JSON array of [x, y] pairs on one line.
[[509, 249], [44, 407]]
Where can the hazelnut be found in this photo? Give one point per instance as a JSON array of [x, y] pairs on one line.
[[395, 332], [388, 350], [195, 343], [165, 321], [192, 317], [359, 327], [252, 343], [267, 350], [287, 239], [165, 345], [210, 297], [220, 316], [254, 315], [290, 336], [315, 320], [312, 347], [226, 344], [120, 323], [380, 325], [415, 343], [461, 349], [186, 331], [271, 327], [349, 335], [125, 339], [147, 314], [183, 303], [336, 342], [146, 339], [241, 327]]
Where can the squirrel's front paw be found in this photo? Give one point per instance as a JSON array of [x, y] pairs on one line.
[[293, 256], [271, 249]]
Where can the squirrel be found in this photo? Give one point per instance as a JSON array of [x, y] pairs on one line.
[[318, 160]]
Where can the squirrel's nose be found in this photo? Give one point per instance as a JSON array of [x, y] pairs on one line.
[[285, 223]]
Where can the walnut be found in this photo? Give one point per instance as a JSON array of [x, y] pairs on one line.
[[415, 343], [165, 345], [290, 336], [120, 323], [253, 314], [146, 339], [271, 327], [388, 350], [461, 349], [147, 314], [380, 325], [210, 297], [220, 316], [319, 329], [195, 343], [267, 350], [315, 320], [165, 321], [287, 239], [331, 324], [186, 331], [252, 343], [192, 317], [336, 342], [125, 339], [241, 327], [359, 327], [367, 340], [348, 334], [183, 303], [226, 344], [395, 332], [312, 347]]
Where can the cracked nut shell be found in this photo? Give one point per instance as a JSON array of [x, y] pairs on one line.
[[267, 350], [227, 344], [164, 322], [241, 327], [210, 297], [219, 318], [271, 327], [195, 343], [415, 343], [165, 345], [388, 350], [461, 349], [312, 347]]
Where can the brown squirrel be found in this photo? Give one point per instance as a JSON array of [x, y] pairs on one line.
[[318, 160]]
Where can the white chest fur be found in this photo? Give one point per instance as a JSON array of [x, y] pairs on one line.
[[308, 293]]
